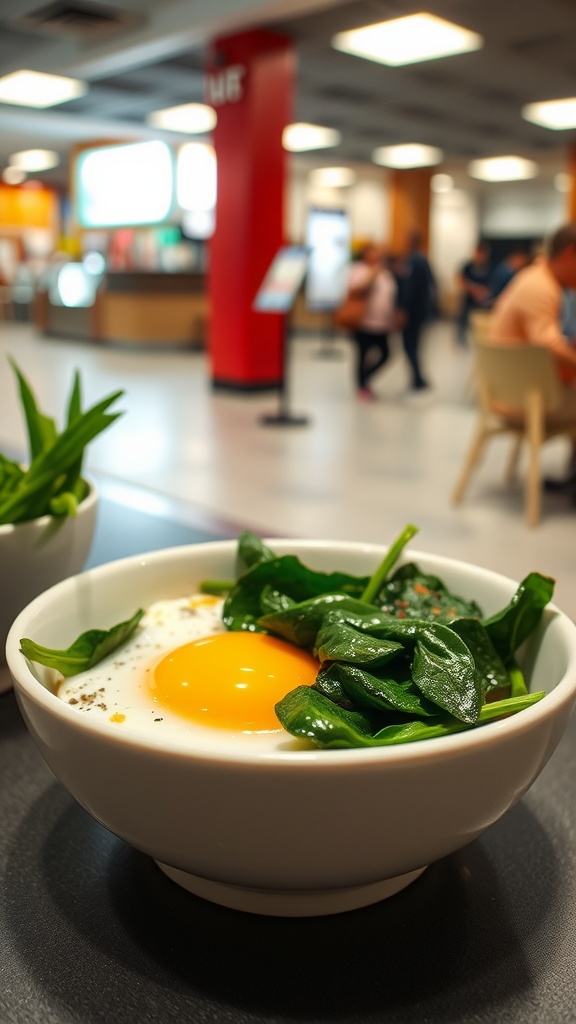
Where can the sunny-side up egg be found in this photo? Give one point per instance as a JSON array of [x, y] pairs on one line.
[[182, 672]]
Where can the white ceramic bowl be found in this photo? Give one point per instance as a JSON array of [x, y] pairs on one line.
[[36, 554], [287, 832]]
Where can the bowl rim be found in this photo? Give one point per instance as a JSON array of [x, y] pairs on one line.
[[87, 503], [562, 696]]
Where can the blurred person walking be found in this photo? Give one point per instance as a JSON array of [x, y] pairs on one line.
[[370, 280], [418, 303], [472, 282]]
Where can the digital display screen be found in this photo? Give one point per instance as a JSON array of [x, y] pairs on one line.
[[328, 238], [124, 185]]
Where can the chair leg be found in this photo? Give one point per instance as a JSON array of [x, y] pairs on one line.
[[512, 464], [535, 437], [471, 461]]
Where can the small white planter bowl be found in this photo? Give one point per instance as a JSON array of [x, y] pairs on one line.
[[37, 554], [287, 832]]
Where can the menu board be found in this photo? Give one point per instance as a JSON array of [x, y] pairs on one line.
[[278, 291]]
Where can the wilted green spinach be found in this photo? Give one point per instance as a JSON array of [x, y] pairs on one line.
[[400, 657]]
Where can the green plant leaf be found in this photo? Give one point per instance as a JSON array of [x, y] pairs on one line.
[[41, 428]]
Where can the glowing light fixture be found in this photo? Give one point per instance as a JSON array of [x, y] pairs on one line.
[[503, 168], [34, 159], [556, 114], [13, 175], [196, 176], [127, 184], [192, 118], [562, 182], [409, 154], [441, 183], [332, 177], [36, 89], [300, 137], [408, 40]]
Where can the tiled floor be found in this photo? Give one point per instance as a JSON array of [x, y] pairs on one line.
[[355, 471]]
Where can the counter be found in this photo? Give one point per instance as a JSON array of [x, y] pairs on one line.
[[133, 307]]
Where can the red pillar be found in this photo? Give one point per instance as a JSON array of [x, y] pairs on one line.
[[250, 83]]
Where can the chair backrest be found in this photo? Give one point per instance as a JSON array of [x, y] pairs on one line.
[[507, 372]]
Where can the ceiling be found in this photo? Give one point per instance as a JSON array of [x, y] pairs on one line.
[[141, 55]]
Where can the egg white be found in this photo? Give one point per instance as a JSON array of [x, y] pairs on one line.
[[117, 691]]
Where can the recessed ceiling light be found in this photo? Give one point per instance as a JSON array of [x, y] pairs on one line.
[[36, 89], [409, 154], [300, 136], [408, 40], [192, 118], [332, 177], [13, 175], [503, 168], [441, 182], [35, 159], [555, 114]]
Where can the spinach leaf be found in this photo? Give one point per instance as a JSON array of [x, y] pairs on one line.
[[489, 664], [86, 651], [251, 550], [287, 575], [301, 623], [510, 627], [443, 667], [364, 691], [411, 594], [338, 641], [308, 714]]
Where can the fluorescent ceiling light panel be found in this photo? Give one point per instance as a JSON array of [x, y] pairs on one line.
[[556, 114], [191, 118], [409, 154], [36, 89], [300, 137], [503, 168], [408, 40], [34, 159], [332, 177]]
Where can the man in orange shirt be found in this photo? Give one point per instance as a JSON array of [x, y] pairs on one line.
[[529, 310]]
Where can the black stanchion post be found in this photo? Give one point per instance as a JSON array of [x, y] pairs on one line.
[[284, 418]]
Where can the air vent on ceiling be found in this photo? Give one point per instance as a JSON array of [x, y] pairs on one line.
[[77, 18]]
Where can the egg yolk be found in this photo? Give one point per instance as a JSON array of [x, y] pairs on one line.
[[232, 680]]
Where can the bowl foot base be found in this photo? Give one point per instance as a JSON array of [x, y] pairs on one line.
[[297, 903]]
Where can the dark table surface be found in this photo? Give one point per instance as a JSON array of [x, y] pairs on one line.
[[92, 932]]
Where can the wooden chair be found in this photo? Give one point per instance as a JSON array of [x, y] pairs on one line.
[[518, 393]]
